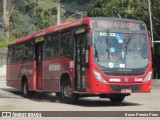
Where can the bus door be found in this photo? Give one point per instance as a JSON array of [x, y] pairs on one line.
[[80, 60], [39, 58]]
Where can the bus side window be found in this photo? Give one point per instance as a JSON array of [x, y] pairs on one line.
[[66, 42], [19, 54], [52, 46], [11, 55], [29, 52]]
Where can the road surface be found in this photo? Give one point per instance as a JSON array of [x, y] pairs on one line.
[[12, 100]]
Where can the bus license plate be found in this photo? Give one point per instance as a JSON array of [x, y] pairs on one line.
[[126, 90]]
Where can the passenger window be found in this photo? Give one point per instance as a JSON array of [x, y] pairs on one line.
[[11, 55], [52, 46], [66, 44], [29, 52], [19, 53]]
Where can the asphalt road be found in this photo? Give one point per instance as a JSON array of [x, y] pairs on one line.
[[12, 100]]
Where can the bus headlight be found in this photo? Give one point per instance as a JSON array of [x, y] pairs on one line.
[[148, 77], [98, 76]]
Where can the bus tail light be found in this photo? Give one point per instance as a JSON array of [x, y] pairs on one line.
[[148, 77], [98, 76]]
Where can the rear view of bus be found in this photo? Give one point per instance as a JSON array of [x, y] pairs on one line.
[[121, 58]]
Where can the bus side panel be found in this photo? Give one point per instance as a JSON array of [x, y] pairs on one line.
[[17, 76], [10, 75], [65, 69], [52, 71], [25, 70], [29, 70]]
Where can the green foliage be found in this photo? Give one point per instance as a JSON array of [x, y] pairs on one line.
[[0, 9], [42, 12], [7, 107], [4, 41], [79, 5], [134, 9], [19, 25], [46, 21], [1, 36], [29, 16], [75, 8], [3, 44]]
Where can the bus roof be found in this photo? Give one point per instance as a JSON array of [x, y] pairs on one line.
[[66, 25], [51, 30]]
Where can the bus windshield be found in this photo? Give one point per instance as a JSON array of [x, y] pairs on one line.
[[121, 50]]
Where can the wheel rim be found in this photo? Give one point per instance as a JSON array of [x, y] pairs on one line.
[[67, 91]]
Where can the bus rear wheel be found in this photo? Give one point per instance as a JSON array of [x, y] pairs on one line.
[[66, 95], [25, 90], [117, 98]]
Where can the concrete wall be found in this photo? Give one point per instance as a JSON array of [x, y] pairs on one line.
[[3, 70]]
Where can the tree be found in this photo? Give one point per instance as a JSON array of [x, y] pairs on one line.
[[134, 9], [20, 25], [32, 15], [6, 16], [77, 8], [20, 21], [44, 13]]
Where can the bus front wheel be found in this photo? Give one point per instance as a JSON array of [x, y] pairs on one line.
[[66, 95], [117, 98]]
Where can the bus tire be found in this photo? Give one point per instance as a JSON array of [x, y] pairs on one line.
[[66, 95], [25, 90], [117, 98]]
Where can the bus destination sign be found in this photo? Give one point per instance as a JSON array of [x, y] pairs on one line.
[[126, 25]]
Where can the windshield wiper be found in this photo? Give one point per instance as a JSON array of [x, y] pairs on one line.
[[107, 48], [129, 40]]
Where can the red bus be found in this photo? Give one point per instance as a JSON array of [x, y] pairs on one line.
[[105, 57]]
